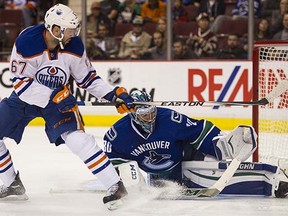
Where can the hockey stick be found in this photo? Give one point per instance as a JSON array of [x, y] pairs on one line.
[[212, 191], [276, 92], [75, 190]]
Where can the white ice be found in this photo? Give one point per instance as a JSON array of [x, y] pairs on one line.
[[44, 167]]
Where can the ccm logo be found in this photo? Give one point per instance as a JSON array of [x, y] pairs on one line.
[[133, 172]]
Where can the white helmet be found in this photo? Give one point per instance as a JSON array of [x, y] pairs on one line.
[[64, 17]]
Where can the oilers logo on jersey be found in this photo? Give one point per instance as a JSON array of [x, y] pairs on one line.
[[51, 76]]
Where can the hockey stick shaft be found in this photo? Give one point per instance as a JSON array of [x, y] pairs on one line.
[[276, 92], [215, 189]]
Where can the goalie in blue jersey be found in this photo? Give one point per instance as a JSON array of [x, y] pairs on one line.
[[163, 143]]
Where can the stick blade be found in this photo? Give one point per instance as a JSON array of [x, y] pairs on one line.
[[201, 193], [277, 91], [190, 194]]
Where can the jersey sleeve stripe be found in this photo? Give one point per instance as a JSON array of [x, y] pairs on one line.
[[20, 81], [91, 73], [21, 84], [89, 81]]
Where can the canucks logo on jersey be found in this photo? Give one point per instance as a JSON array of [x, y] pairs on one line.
[[157, 161]]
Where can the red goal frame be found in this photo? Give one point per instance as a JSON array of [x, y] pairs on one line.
[[255, 83]]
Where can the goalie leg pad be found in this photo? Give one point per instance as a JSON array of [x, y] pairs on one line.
[[130, 174], [239, 143], [249, 179]]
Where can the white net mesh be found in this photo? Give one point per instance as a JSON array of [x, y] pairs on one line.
[[273, 118]]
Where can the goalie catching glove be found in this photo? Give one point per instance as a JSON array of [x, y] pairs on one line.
[[66, 102], [239, 143], [124, 102]]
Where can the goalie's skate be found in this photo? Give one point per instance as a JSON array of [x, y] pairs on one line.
[[16, 191], [115, 193], [282, 190]]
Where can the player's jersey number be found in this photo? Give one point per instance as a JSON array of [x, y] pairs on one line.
[[18, 66], [107, 146]]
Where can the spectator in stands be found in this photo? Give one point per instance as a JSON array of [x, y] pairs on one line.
[[3, 37], [196, 3], [233, 50], [140, 1], [162, 26], [105, 47], [242, 6], [283, 34], [44, 5], [28, 8], [128, 10], [3, 41], [158, 51], [213, 8], [179, 12], [202, 40], [95, 18], [136, 42], [93, 21], [268, 6], [2, 4], [262, 30], [181, 51], [277, 16], [110, 7], [152, 10]]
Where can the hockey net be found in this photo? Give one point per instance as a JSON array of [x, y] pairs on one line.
[[270, 66]]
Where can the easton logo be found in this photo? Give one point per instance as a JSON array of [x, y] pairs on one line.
[[181, 103]]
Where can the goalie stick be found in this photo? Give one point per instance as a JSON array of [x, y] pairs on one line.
[[210, 192], [276, 92]]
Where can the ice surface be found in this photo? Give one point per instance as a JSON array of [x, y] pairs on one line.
[[43, 167]]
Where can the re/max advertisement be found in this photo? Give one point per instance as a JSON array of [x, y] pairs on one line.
[[171, 81]]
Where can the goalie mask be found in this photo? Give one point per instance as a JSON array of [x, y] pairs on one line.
[[65, 18], [144, 115]]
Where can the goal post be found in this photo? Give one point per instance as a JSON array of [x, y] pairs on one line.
[[270, 66]]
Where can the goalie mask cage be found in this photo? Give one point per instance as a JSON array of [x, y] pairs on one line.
[[270, 66]]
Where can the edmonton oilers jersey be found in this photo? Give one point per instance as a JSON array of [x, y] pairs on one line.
[[163, 148], [37, 71]]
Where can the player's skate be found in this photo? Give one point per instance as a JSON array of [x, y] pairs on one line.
[[115, 193], [16, 191], [282, 190]]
